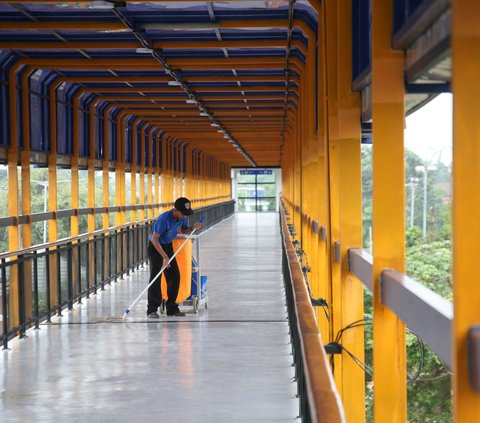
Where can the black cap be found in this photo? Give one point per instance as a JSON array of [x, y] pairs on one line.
[[182, 204]]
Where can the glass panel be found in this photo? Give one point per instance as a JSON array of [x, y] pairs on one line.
[[82, 188], [111, 189], [64, 187], [3, 191], [266, 178], [39, 189], [98, 188], [245, 178]]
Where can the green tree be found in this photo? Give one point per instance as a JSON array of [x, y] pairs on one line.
[[428, 262]]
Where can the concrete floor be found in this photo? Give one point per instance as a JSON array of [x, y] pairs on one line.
[[230, 363]]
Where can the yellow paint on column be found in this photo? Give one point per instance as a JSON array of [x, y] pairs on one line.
[[142, 172], [349, 116], [74, 222], [149, 173], [389, 361], [466, 174], [333, 168], [105, 167], [52, 191], [26, 196], [91, 171]]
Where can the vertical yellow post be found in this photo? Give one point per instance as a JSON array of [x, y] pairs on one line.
[[13, 238], [52, 163], [466, 174], [149, 171], [25, 181], [322, 174], [106, 168], [142, 172], [157, 174], [91, 192], [333, 146], [353, 380], [388, 214], [91, 173], [52, 191], [120, 199], [133, 170], [74, 221]]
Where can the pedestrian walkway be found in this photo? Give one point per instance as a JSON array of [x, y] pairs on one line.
[[230, 363]]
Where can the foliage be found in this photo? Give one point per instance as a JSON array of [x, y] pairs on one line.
[[428, 262]]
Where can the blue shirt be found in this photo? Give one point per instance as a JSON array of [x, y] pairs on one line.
[[167, 227]]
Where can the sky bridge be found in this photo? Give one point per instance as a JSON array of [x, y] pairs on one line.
[[110, 110]]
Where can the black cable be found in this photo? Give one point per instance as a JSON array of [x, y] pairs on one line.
[[368, 370], [416, 375]]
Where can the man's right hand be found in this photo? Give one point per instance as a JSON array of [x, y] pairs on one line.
[[165, 263]]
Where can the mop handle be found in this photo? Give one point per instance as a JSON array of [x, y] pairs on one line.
[[125, 313]]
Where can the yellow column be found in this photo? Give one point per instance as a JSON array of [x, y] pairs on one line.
[[466, 174], [91, 172], [133, 170], [52, 190], [353, 379], [323, 198], [74, 221], [388, 214], [26, 197], [149, 172], [105, 167], [333, 145], [157, 174], [13, 239], [91, 192], [52, 163], [142, 172]]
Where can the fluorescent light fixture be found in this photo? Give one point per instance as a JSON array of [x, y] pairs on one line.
[[203, 114], [222, 131], [189, 101], [173, 83], [226, 136], [214, 124], [102, 4], [143, 50]]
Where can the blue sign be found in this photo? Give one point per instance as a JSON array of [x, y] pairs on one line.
[[256, 172]]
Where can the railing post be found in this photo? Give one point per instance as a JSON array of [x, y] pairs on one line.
[[69, 275], [79, 272], [59, 281], [102, 261], [128, 251], [47, 275], [5, 309], [35, 290], [21, 294], [87, 278], [94, 246]]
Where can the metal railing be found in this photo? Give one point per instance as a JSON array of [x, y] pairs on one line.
[[53, 277], [319, 400], [424, 312]]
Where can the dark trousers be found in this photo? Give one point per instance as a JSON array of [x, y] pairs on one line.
[[172, 275]]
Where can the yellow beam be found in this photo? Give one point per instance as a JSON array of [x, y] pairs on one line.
[[390, 378], [465, 42], [349, 132]]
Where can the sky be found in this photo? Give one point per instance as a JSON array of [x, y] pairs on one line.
[[428, 131]]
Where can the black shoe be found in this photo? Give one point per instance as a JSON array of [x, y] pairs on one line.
[[176, 313], [153, 315]]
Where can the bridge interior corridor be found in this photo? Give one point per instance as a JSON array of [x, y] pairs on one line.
[[231, 362]]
